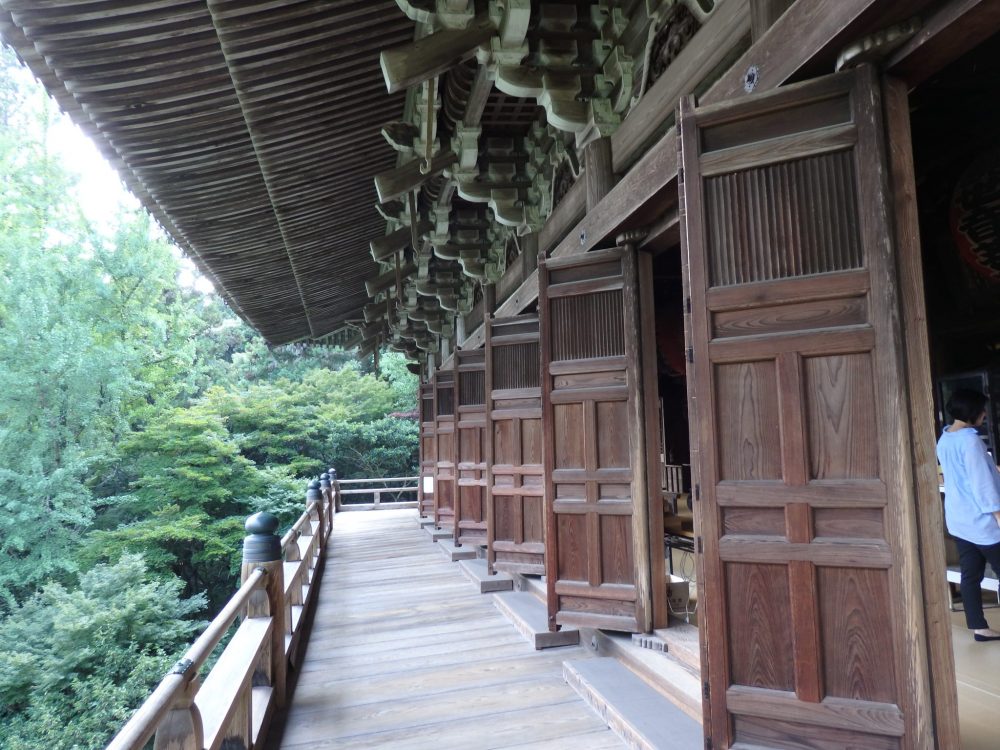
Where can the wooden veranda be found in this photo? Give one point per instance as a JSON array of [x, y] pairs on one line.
[[406, 653]]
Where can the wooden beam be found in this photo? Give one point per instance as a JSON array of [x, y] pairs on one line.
[[479, 94], [399, 180], [425, 58], [954, 29], [383, 247]]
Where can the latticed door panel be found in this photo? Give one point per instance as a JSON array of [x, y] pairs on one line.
[[809, 588], [428, 451], [600, 514], [470, 425], [445, 489], [516, 506]]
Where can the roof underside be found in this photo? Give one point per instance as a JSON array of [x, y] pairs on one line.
[[248, 128]]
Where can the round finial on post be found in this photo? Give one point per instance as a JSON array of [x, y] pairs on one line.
[[313, 492], [261, 544], [333, 474], [324, 481]]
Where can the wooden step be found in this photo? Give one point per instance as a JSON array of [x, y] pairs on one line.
[[673, 680], [682, 643], [454, 553], [477, 572], [637, 713], [530, 617], [423, 521], [534, 585], [437, 534]]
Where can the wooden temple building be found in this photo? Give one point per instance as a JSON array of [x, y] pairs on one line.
[[684, 281]]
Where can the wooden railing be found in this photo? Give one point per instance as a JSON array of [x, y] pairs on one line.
[[394, 487], [234, 704]]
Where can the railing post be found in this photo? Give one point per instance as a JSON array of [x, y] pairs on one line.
[[335, 487], [315, 495], [181, 728], [327, 488], [262, 549]]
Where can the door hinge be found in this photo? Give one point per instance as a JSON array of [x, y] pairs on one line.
[[697, 545], [697, 492], [708, 743], [706, 693], [687, 305], [680, 174], [690, 354]]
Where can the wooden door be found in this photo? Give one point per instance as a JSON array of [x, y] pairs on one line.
[[810, 599], [470, 446], [514, 409], [444, 436], [428, 451], [604, 546]]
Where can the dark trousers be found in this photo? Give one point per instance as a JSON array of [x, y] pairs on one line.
[[973, 558]]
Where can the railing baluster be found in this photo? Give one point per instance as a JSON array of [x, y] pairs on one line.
[[262, 550]]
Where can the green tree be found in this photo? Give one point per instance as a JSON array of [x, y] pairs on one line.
[[90, 653]]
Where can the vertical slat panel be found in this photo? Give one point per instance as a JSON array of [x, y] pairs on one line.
[[784, 220]]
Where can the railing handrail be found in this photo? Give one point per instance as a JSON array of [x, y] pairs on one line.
[[177, 692], [378, 479], [369, 491], [146, 719]]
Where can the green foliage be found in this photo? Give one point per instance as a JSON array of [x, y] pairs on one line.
[[138, 417], [88, 653], [383, 448]]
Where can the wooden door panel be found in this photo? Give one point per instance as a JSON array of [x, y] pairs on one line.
[[809, 577], [428, 452], [604, 561], [445, 490], [515, 521], [470, 507]]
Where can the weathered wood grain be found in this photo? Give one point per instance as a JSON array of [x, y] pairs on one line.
[[419, 660]]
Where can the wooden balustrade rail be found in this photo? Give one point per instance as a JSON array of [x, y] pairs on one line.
[[239, 695], [377, 493]]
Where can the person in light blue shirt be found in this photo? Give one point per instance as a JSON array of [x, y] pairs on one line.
[[971, 502]]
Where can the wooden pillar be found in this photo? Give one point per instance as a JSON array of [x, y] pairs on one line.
[[597, 170], [931, 530], [490, 293], [763, 14], [529, 258], [262, 549]]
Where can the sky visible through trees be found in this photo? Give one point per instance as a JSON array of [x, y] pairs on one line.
[[140, 423]]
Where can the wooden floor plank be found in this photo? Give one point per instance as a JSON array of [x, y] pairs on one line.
[[406, 653]]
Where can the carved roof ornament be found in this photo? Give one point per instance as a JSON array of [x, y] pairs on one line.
[[576, 69], [677, 28], [566, 173]]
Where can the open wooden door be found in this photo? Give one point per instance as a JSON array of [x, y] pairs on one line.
[[428, 451], [604, 541], [514, 412], [470, 446], [444, 435], [811, 608]]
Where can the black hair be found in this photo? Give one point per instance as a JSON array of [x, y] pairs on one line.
[[966, 405]]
